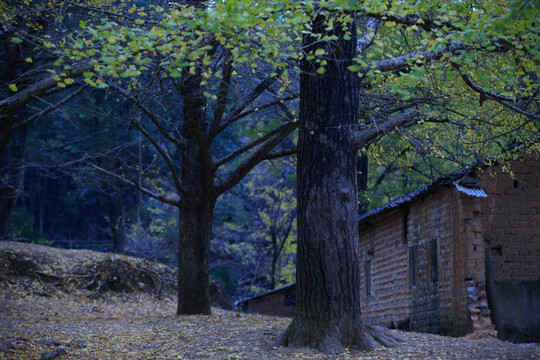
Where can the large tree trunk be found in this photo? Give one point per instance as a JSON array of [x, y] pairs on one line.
[[194, 256], [197, 204], [328, 261]]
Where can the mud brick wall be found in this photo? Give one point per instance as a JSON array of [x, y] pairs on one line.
[[511, 219], [384, 257], [430, 236], [410, 269]]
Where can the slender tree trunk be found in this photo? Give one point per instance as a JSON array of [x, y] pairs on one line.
[[7, 204], [275, 256], [10, 185], [117, 221], [328, 261]]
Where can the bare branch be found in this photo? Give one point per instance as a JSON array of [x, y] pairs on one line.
[[49, 109], [222, 96], [151, 139], [163, 154], [280, 154], [262, 107], [147, 112], [253, 144], [255, 158], [250, 98], [136, 185]]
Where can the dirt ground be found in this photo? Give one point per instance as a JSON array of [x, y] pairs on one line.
[[38, 319], [143, 327]]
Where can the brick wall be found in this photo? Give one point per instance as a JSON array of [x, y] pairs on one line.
[[511, 219], [385, 258], [471, 313], [411, 269]]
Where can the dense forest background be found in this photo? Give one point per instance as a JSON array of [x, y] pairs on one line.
[[79, 155]]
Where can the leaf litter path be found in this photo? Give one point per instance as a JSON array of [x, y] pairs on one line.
[[139, 326]]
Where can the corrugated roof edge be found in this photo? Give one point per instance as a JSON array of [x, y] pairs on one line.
[[445, 180]]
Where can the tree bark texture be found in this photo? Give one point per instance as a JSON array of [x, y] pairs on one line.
[[193, 257], [197, 204], [328, 260]]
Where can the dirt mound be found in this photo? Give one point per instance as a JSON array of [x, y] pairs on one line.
[[46, 271]]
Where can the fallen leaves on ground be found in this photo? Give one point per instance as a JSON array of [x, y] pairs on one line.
[[139, 325]]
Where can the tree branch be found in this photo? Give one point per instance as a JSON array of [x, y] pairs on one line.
[[49, 109], [255, 158], [280, 154], [424, 23], [361, 137], [222, 97], [503, 100], [253, 144], [136, 185], [262, 107], [27, 95], [370, 30], [163, 154], [401, 61], [237, 112], [147, 112]]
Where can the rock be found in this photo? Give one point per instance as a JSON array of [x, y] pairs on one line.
[[53, 354]]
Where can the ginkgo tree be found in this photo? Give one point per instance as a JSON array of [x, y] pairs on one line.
[[351, 48], [179, 68]]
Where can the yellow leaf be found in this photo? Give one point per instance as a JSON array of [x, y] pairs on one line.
[[13, 87], [68, 81], [28, 60]]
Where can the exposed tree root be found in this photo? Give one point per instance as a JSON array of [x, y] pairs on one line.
[[385, 336], [91, 274], [356, 337]]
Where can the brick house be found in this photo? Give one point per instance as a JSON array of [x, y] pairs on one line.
[[458, 256]]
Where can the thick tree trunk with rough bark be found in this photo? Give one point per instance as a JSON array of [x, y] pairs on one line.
[[197, 203], [193, 257], [328, 261]]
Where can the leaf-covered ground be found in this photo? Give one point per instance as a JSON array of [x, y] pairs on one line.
[[38, 320]]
